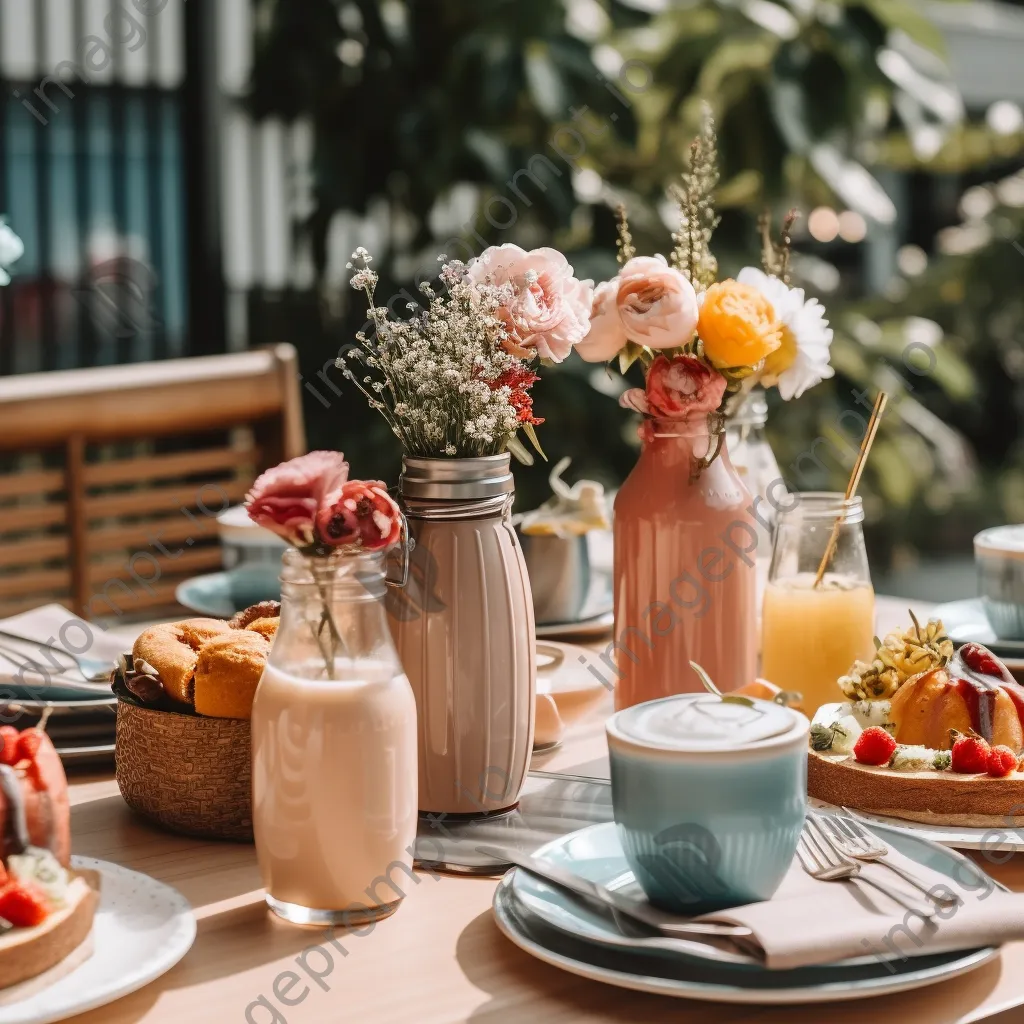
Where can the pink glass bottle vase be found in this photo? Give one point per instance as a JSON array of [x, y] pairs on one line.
[[686, 543]]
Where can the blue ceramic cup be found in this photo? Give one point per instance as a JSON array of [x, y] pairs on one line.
[[709, 797]]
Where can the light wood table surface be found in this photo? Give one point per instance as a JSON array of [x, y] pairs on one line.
[[440, 958]]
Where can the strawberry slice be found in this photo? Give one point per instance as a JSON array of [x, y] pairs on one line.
[[8, 744], [22, 905]]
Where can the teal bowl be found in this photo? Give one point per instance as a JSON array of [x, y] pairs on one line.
[[707, 826]]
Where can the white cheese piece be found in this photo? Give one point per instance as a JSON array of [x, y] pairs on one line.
[[848, 731], [40, 868]]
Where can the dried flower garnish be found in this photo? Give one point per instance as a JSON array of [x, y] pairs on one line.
[[697, 218]]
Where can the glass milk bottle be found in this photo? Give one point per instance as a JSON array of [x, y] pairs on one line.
[[334, 748], [813, 635]]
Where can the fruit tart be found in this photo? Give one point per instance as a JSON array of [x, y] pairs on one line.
[[927, 734], [46, 907]]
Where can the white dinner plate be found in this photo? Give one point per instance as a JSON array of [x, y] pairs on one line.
[[142, 929], [684, 979], [996, 840]]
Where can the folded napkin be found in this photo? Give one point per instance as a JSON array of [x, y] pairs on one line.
[[813, 922], [51, 638]]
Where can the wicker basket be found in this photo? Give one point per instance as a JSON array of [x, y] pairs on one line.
[[190, 774]]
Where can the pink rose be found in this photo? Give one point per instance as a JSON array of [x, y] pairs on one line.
[[549, 310], [361, 513], [607, 336], [656, 303], [285, 499], [682, 387]]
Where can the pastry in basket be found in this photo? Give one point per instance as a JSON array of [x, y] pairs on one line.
[[46, 907], [210, 666], [926, 734]]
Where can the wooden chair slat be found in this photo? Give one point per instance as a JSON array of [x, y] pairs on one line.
[[33, 582], [166, 499], [170, 531], [23, 518], [146, 563], [165, 467], [32, 482], [43, 549]]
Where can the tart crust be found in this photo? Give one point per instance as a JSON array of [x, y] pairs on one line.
[[930, 797], [27, 953]]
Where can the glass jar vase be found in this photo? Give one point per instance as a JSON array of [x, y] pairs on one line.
[[333, 747], [755, 462], [464, 628], [812, 634], [685, 558]]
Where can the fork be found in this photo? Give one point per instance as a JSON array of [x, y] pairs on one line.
[[857, 842], [822, 860]]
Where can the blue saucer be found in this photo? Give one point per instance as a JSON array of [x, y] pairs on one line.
[[223, 594]]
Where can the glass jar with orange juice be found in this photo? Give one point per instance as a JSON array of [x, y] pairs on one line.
[[811, 635]]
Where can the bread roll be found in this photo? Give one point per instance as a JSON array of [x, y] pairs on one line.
[[227, 673], [266, 628], [172, 649]]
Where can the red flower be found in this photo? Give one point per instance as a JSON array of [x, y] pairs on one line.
[[361, 513], [285, 499], [519, 380], [682, 387]]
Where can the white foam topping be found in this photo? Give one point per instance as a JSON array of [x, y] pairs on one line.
[[703, 722]]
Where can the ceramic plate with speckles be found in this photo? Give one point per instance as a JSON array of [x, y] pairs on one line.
[[142, 929]]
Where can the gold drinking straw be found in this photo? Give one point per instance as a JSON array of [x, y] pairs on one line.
[[851, 487]]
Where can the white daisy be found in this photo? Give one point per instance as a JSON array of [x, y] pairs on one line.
[[802, 360]]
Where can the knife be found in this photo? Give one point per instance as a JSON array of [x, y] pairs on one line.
[[661, 921]]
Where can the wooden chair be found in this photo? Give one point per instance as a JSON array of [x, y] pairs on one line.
[[111, 478]]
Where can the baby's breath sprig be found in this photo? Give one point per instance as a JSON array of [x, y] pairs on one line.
[[441, 379], [624, 243], [695, 197]]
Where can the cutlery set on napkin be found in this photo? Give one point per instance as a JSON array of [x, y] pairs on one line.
[[847, 895], [54, 664]]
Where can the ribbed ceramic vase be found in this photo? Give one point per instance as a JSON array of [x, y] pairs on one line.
[[464, 630]]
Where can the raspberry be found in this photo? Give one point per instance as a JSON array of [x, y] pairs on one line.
[[1001, 761], [874, 746], [23, 906], [8, 744], [970, 755]]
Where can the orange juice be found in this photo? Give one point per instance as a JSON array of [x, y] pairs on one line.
[[811, 636]]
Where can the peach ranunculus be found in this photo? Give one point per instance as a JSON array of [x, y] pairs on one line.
[[360, 513], [737, 325], [285, 499], [657, 304], [549, 310], [607, 336], [683, 386]]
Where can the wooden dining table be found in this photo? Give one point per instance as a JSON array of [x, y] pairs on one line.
[[440, 957]]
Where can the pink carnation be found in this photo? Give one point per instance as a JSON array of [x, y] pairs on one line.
[[549, 310], [360, 513], [285, 498]]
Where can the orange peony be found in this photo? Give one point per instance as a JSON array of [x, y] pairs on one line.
[[737, 325]]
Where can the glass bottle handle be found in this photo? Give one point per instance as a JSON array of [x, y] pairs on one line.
[[406, 544]]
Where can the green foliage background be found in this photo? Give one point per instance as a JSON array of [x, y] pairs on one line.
[[518, 110]]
